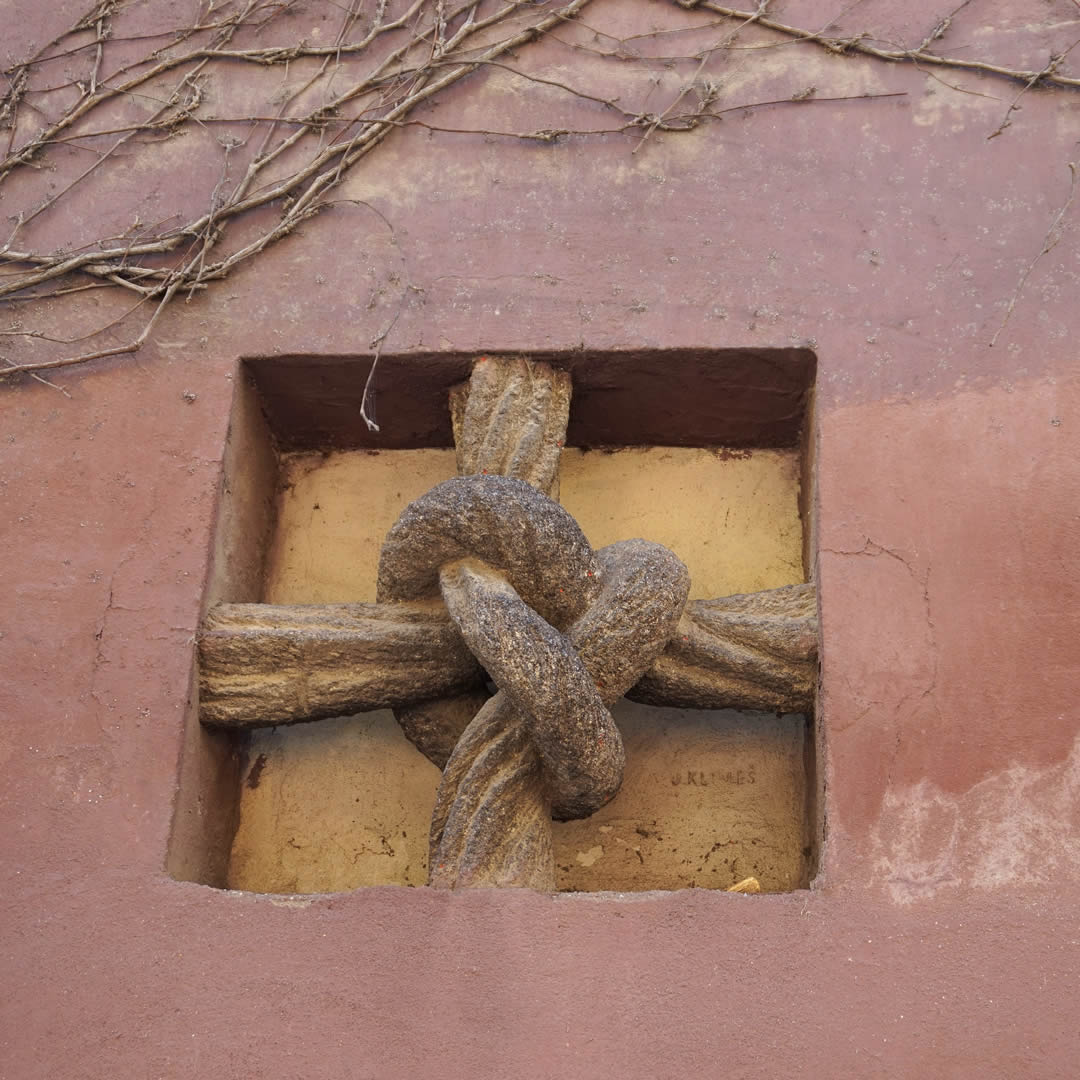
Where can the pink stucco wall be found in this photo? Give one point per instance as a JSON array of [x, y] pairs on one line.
[[941, 938]]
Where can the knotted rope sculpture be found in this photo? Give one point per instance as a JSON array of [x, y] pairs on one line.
[[488, 574], [562, 631]]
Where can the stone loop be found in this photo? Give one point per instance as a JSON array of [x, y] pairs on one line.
[[562, 631]]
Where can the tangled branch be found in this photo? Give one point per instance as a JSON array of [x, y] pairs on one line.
[[318, 109], [861, 44]]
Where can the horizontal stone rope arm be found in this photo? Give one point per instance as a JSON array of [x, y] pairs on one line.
[[752, 651], [267, 664]]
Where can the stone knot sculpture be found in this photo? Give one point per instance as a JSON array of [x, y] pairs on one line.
[[487, 578], [561, 630]]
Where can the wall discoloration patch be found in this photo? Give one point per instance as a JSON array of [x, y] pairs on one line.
[[1019, 826]]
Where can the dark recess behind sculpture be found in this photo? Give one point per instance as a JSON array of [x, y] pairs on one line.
[[740, 398]]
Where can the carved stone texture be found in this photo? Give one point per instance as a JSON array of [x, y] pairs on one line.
[[488, 565], [265, 664], [562, 631], [509, 419], [754, 651]]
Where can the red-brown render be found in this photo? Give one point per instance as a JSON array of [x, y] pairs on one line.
[[942, 937]]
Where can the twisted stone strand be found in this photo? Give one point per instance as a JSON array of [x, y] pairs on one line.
[[515, 570], [509, 419]]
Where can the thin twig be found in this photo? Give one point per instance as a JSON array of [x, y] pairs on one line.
[[859, 44], [1039, 76], [34, 375], [1053, 237], [97, 354]]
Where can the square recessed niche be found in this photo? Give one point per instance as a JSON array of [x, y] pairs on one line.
[[707, 452]]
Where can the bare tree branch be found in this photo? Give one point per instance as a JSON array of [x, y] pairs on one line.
[[336, 102], [1053, 237]]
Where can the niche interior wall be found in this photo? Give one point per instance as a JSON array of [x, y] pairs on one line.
[[708, 452]]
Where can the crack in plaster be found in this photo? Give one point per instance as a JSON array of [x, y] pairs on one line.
[[872, 549]]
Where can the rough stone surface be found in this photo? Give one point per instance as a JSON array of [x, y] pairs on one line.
[[733, 518], [267, 664], [510, 420], [940, 939], [570, 764], [487, 518], [707, 798], [290, 780], [434, 725], [515, 571], [756, 651]]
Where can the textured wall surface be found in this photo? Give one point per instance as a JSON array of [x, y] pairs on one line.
[[940, 938]]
